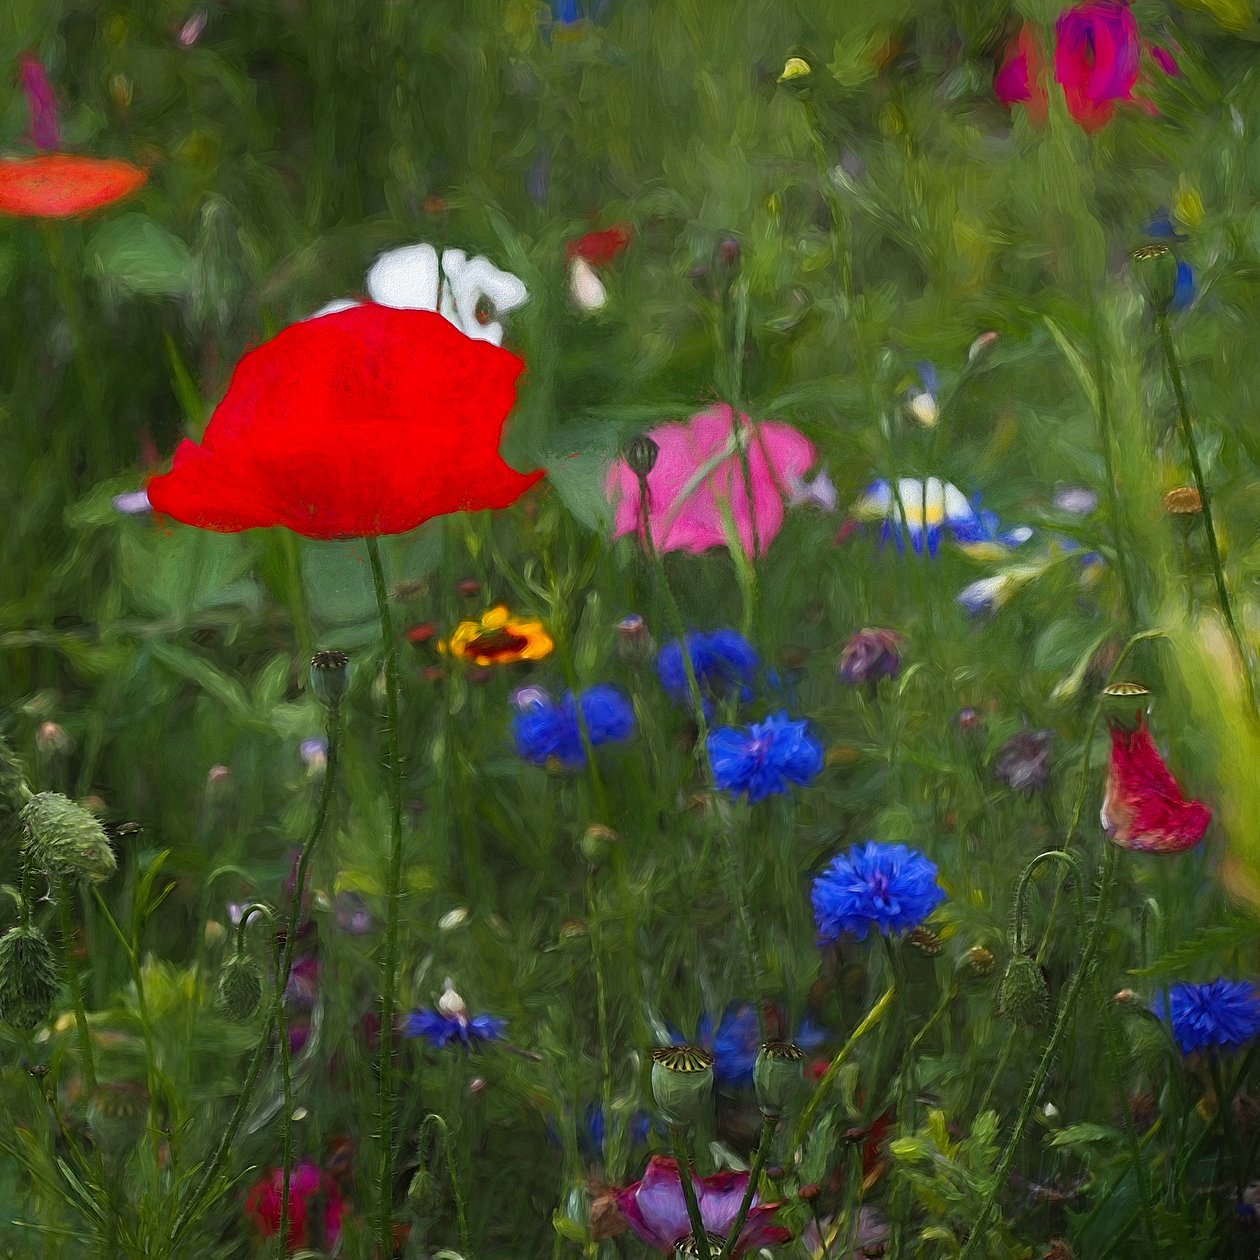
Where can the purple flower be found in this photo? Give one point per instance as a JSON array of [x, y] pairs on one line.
[[870, 656], [1023, 762], [763, 759], [890, 887], [45, 133]]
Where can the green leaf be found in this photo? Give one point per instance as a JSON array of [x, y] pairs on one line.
[[140, 257], [1080, 1134]]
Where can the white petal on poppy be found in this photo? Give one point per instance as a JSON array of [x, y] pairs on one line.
[[481, 278], [923, 408], [405, 278], [133, 503], [585, 286], [331, 308], [454, 265], [505, 290]]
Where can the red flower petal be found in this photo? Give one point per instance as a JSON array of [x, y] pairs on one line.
[[61, 185], [599, 248], [368, 421]]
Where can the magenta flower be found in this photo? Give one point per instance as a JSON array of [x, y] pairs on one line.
[[657, 1211], [698, 472], [1097, 56], [42, 103]]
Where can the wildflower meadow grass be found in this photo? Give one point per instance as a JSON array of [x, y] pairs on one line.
[[630, 628]]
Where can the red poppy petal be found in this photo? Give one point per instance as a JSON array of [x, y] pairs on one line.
[[600, 248], [367, 421], [61, 185]]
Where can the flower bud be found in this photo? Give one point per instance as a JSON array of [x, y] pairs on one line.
[[330, 678], [29, 979], [794, 70], [450, 1003], [727, 259], [682, 1081], [777, 1075], [63, 839], [595, 841], [634, 643], [1022, 998], [1183, 501], [927, 942], [688, 1247], [13, 790], [240, 987], [1156, 269], [980, 961], [116, 1114], [870, 656], [640, 454]]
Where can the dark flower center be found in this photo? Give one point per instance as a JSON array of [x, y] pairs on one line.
[[495, 643]]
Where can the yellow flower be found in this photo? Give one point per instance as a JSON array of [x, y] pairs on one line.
[[498, 639]]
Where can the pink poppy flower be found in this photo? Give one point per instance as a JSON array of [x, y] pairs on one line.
[[698, 471], [307, 1184], [657, 1211], [1019, 79]]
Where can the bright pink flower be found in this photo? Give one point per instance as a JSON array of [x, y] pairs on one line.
[[42, 103], [306, 1183], [1020, 78], [1143, 808], [657, 1211], [698, 471]]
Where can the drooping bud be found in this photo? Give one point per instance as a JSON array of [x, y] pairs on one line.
[[63, 839], [330, 678], [240, 987], [1156, 269], [1022, 996], [777, 1075], [29, 978], [682, 1082], [116, 1114], [640, 454]]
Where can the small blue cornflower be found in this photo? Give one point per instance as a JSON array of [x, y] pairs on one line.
[[450, 1022], [763, 759], [1221, 1015], [890, 887], [546, 728], [724, 663]]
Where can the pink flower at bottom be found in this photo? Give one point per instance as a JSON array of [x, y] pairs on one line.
[[306, 1182], [657, 1211], [698, 471]]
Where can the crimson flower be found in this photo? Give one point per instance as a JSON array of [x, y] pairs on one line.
[[589, 253], [657, 1211], [1143, 808], [363, 422], [308, 1185]]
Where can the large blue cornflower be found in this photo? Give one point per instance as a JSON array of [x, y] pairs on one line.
[[1222, 1015], [547, 728], [440, 1029], [763, 759], [723, 660], [890, 887]]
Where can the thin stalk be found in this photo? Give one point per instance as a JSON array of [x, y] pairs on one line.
[[76, 985], [1225, 1108], [1032, 1091], [601, 1019], [286, 1123], [764, 1143], [392, 884], [1200, 484], [682, 1156]]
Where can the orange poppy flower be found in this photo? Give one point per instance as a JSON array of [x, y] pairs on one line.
[[64, 185]]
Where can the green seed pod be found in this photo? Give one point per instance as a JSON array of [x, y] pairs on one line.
[[116, 1115], [641, 453], [63, 839], [688, 1247], [330, 678], [682, 1082], [29, 977], [1022, 996], [777, 1076], [1156, 269], [240, 987], [13, 790]]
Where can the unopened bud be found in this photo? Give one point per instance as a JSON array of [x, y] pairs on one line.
[[777, 1076], [640, 454], [116, 1114], [450, 1003], [794, 69], [330, 678], [1183, 501], [980, 961], [240, 987], [596, 840], [1022, 998], [51, 739], [926, 941], [29, 978], [63, 839], [453, 919], [682, 1082], [1156, 269]]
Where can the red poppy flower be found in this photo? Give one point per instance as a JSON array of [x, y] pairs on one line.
[[600, 248], [367, 421], [1021, 75], [1143, 808], [62, 185]]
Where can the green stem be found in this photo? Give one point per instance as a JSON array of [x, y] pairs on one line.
[[1033, 1090], [76, 985], [286, 1122], [392, 886], [764, 1143], [682, 1157], [1200, 484], [871, 1019], [1225, 1109]]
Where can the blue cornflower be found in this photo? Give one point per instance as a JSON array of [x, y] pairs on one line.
[[546, 728], [591, 1129], [890, 887], [450, 1022], [735, 1042], [1223, 1014], [762, 759], [1183, 287], [723, 660]]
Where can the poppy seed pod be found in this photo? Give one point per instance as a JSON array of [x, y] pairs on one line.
[[777, 1075], [240, 987], [1022, 996], [1156, 269], [29, 978], [682, 1082], [927, 942], [116, 1114], [688, 1246], [640, 453], [980, 961], [63, 839], [330, 678]]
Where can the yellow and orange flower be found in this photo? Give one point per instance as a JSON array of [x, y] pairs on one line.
[[498, 639]]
